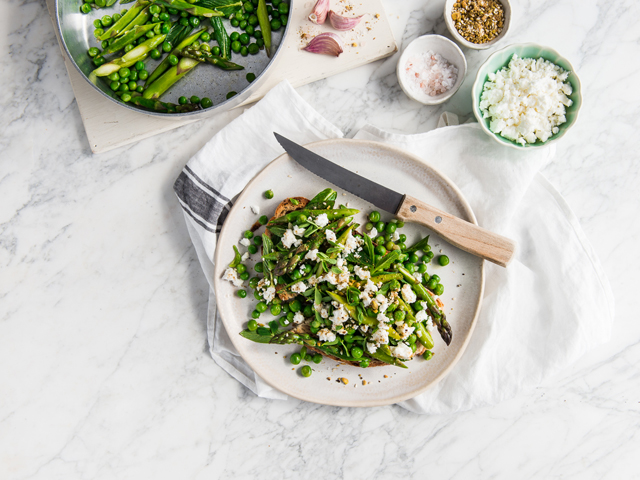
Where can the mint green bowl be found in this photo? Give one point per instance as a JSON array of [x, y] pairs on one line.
[[501, 59]]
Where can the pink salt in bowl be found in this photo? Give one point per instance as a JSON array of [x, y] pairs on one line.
[[431, 69]]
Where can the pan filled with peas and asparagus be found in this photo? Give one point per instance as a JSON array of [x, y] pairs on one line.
[[173, 57]]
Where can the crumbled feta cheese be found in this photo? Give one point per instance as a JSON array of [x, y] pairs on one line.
[[421, 315], [326, 335], [245, 241], [289, 239], [526, 100], [322, 220], [231, 275], [298, 287], [330, 277], [343, 286], [362, 273], [331, 236], [408, 294], [364, 328], [369, 289], [373, 233], [404, 331], [382, 317], [298, 318], [312, 280], [312, 255], [381, 336], [351, 244], [396, 236], [401, 351], [269, 294], [264, 282], [255, 209], [372, 347], [245, 256], [298, 231], [418, 276], [341, 331], [339, 316]]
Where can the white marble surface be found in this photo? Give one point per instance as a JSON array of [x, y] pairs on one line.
[[104, 371]]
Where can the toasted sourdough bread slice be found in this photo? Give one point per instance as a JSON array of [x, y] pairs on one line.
[[282, 209]]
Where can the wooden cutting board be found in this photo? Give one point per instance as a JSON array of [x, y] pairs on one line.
[[109, 126]]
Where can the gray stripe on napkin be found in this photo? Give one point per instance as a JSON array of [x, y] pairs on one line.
[[201, 202]]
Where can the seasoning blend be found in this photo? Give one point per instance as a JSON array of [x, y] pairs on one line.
[[477, 24]]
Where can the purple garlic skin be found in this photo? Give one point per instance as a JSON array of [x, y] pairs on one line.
[[326, 43], [343, 23], [319, 13]]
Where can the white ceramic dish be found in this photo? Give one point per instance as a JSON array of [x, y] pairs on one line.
[[448, 7], [463, 277], [437, 44]]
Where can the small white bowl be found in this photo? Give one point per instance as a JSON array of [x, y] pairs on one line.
[[448, 7], [437, 44]]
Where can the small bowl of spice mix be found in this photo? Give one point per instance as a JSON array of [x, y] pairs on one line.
[[477, 24]]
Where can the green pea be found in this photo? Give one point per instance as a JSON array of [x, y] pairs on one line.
[[139, 66], [412, 339], [427, 355], [399, 224], [253, 283], [290, 316], [125, 97], [93, 52], [399, 315], [258, 35], [154, 9], [184, 22], [155, 54], [124, 72], [216, 51], [435, 277], [380, 250], [206, 102], [243, 24], [413, 258], [295, 306], [106, 20], [248, 7], [256, 295], [315, 324], [296, 275], [285, 307], [235, 22], [236, 46], [196, 100], [295, 358], [97, 23], [403, 237], [391, 227], [356, 352], [239, 16], [307, 311], [100, 3], [390, 245], [242, 293], [251, 248], [259, 267], [244, 51], [368, 226], [247, 233], [257, 240], [284, 21], [317, 358], [148, 35], [132, 85], [443, 260], [422, 268], [429, 255], [104, 44], [183, 100], [164, 17], [374, 217], [268, 194], [260, 43], [395, 285], [439, 290], [380, 226], [241, 268], [115, 85], [263, 220], [427, 249], [275, 310], [306, 371], [253, 48], [410, 267], [432, 284], [133, 75], [244, 276], [364, 363], [261, 307], [275, 24], [255, 314], [283, 8], [114, 77], [205, 36], [234, 36], [252, 325], [97, 32]]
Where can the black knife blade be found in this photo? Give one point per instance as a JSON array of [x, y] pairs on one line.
[[381, 196]]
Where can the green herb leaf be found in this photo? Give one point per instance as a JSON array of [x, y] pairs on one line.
[[336, 270]]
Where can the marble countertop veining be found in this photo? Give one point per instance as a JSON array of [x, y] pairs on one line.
[[104, 369]]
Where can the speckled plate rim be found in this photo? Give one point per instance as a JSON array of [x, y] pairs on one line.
[[240, 203], [476, 101]]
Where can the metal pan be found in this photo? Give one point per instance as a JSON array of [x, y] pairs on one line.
[[76, 31]]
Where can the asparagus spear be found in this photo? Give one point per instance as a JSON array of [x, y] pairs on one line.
[[124, 21], [331, 215], [138, 53], [424, 335], [195, 10], [439, 318], [128, 37], [222, 37], [162, 107], [202, 56], [265, 25], [171, 76], [165, 64]]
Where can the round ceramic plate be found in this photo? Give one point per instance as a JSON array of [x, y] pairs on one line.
[[463, 278]]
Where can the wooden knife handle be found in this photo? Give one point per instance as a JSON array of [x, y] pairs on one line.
[[464, 235]]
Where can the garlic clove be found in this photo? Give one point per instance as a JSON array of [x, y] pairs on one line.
[[319, 13], [343, 23], [326, 43]]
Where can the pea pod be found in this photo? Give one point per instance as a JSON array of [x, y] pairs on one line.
[[265, 25], [162, 107], [165, 64], [384, 278], [227, 7], [222, 37], [202, 56], [171, 76], [386, 261], [421, 245], [136, 54], [331, 215], [324, 200], [385, 357], [124, 21], [128, 37], [424, 335], [195, 10], [237, 259]]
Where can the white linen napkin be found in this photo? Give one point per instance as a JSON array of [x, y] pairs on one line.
[[548, 308]]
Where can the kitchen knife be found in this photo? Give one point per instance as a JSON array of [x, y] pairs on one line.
[[464, 235]]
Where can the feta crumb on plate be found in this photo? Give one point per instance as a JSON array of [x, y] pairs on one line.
[[245, 241], [322, 220], [255, 209]]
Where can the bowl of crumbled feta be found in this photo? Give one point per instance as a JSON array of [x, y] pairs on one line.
[[431, 69], [526, 95]]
